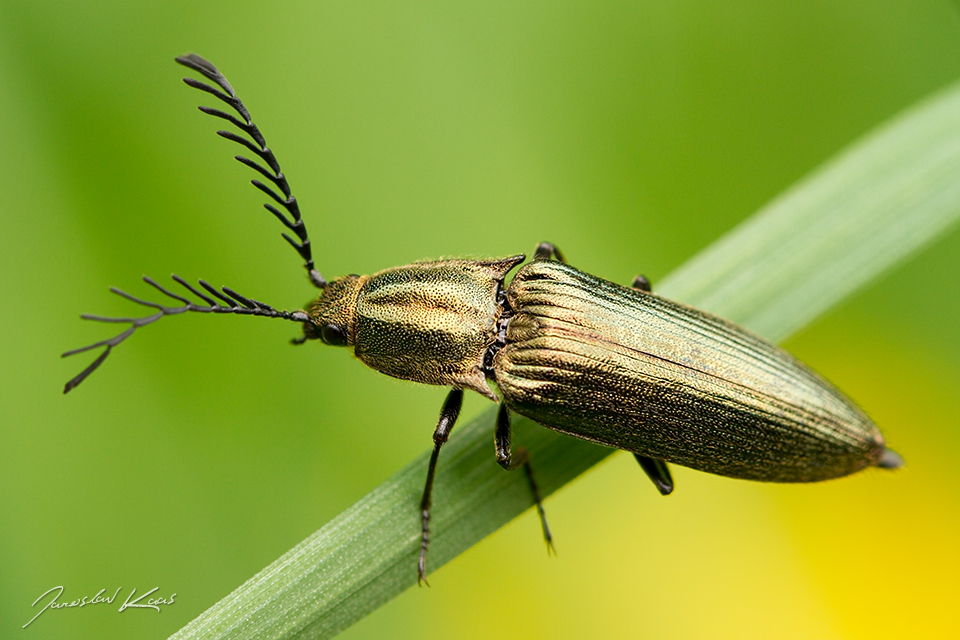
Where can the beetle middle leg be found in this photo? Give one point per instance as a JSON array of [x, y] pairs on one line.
[[448, 417], [508, 461]]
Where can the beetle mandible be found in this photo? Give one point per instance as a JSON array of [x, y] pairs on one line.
[[615, 365]]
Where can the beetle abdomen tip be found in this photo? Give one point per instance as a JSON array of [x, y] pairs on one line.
[[890, 460]]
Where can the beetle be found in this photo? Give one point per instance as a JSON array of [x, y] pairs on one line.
[[615, 365]]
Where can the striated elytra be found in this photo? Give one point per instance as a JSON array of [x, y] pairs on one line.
[[632, 370], [614, 365]]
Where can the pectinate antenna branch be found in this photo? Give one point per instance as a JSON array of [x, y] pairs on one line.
[[232, 302], [216, 294], [258, 146]]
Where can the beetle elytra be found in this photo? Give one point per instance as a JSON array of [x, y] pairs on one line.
[[611, 364]]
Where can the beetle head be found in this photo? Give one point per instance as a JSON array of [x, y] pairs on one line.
[[332, 314]]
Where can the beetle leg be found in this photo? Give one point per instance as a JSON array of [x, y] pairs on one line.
[[641, 283], [548, 251], [448, 416], [509, 462], [657, 471], [501, 438]]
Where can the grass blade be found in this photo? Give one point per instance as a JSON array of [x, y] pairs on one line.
[[854, 218], [843, 226]]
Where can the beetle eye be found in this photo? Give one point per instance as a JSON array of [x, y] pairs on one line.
[[333, 335]]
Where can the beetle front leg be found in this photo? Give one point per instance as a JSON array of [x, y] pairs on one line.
[[548, 251], [448, 417], [506, 460]]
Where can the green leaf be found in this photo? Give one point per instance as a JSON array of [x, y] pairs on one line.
[[850, 221]]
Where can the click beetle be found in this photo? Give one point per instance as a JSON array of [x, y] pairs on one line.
[[615, 365]]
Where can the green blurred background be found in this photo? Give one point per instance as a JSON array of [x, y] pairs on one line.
[[631, 134]]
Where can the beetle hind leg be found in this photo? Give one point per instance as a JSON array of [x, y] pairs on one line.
[[508, 461], [658, 472]]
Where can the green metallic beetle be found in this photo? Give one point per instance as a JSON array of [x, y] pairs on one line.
[[614, 365]]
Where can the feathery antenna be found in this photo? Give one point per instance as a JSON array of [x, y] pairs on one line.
[[232, 302], [258, 146]]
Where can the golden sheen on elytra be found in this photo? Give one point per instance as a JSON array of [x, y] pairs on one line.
[[611, 364]]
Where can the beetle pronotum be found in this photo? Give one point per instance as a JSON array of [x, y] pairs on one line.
[[615, 365]]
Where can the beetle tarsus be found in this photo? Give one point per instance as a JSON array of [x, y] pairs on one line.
[[509, 461], [547, 536], [424, 542], [448, 417]]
